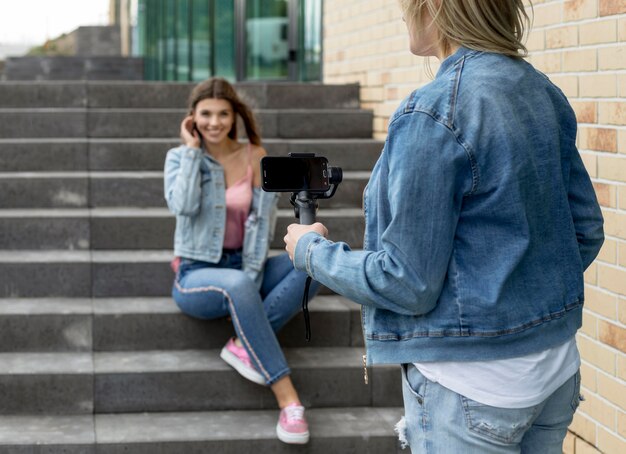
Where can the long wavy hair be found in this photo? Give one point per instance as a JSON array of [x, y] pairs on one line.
[[484, 25], [218, 88]]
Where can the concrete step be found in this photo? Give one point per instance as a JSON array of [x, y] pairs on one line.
[[76, 274], [137, 228], [126, 324], [126, 189], [333, 431], [138, 123], [148, 154], [183, 380], [171, 95]]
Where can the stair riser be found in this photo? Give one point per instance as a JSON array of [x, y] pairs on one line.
[[190, 391], [77, 192], [53, 394], [150, 124], [171, 95], [17, 156], [214, 391], [362, 445], [46, 333], [126, 233]]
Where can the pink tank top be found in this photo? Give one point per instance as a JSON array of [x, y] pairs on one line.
[[238, 201]]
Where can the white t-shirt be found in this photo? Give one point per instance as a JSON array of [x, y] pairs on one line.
[[507, 383]]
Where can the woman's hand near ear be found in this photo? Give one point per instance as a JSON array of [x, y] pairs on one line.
[[189, 134]]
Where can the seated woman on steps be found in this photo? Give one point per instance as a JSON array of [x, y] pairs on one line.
[[224, 223]]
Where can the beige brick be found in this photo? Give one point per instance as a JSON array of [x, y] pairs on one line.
[[610, 7], [612, 58], [590, 325], [586, 111], [596, 354], [589, 379], [621, 310], [621, 424], [599, 410], [601, 302], [609, 443], [613, 113], [536, 40], [548, 15], [621, 141], [580, 60], [598, 32], [591, 274], [598, 86], [569, 85], [612, 390], [621, 194], [613, 279], [584, 427], [621, 27], [580, 9], [602, 139], [582, 447], [615, 336], [547, 62], [608, 253], [621, 367], [607, 195], [612, 168], [569, 444], [562, 37]]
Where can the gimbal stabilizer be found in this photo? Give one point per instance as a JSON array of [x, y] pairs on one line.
[[305, 207]]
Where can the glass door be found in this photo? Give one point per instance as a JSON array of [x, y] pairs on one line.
[[268, 40]]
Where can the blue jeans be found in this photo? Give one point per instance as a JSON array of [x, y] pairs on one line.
[[441, 421], [208, 291]]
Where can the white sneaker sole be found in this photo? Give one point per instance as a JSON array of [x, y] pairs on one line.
[[243, 370], [292, 439]]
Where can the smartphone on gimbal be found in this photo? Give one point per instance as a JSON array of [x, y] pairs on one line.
[[294, 174]]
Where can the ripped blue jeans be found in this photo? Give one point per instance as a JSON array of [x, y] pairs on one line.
[[438, 420], [208, 291]]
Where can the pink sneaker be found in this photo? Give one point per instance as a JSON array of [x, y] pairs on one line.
[[292, 426], [239, 359]]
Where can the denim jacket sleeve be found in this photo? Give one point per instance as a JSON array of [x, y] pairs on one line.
[[586, 213], [426, 173], [182, 180]]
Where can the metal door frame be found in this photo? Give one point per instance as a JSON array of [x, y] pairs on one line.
[[241, 41]]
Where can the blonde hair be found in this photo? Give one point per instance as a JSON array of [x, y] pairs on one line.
[[485, 25]]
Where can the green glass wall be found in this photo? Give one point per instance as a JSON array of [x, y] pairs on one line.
[[191, 40]]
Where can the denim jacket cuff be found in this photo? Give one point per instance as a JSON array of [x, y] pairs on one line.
[[302, 255]]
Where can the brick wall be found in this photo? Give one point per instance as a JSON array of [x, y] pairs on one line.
[[581, 46]]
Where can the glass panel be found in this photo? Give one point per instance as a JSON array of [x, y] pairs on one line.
[[310, 40], [267, 42], [225, 39], [169, 26], [201, 40], [183, 64]]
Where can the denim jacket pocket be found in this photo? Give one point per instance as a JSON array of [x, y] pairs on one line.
[[504, 425]]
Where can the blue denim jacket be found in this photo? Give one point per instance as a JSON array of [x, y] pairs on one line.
[[195, 192], [480, 220]]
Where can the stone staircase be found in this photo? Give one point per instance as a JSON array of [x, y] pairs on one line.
[[94, 355]]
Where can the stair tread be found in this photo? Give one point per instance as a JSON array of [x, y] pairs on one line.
[[330, 423], [139, 305]]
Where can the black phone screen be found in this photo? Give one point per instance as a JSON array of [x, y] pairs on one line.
[[292, 174]]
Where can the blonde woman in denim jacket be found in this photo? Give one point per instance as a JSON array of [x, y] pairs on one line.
[[480, 221], [224, 223]]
